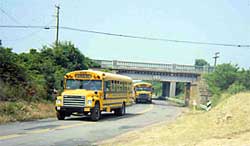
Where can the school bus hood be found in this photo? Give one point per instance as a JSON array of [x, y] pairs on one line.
[[79, 92], [143, 92]]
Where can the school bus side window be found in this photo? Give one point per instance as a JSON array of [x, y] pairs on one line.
[[120, 87], [123, 88], [113, 86], [116, 86], [107, 86]]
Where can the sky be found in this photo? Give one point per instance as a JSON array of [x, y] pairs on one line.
[[217, 21]]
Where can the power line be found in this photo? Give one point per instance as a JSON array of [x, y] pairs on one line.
[[155, 39], [9, 16], [17, 22], [32, 33], [27, 26], [129, 36]]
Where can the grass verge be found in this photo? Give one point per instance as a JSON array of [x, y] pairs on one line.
[[23, 111], [226, 124]]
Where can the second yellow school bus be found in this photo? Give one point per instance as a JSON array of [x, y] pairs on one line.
[[143, 92], [91, 92]]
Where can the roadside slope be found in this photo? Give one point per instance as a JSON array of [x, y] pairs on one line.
[[226, 124], [24, 111]]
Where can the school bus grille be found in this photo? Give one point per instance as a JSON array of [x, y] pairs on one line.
[[144, 96], [73, 101]]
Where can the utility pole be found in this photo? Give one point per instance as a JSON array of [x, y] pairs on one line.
[[57, 24], [215, 58]]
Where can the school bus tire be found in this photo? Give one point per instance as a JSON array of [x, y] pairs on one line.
[[95, 113], [121, 111], [136, 101], [150, 100], [60, 115]]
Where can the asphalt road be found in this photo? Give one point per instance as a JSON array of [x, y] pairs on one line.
[[80, 131]]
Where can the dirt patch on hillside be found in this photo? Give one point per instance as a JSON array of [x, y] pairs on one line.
[[226, 124]]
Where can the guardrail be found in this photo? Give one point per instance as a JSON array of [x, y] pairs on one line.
[[206, 107], [115, 64], [179, 101]]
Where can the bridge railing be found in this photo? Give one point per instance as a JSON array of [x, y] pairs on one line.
[[115, 64]]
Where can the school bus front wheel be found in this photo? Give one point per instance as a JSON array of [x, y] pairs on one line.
[[60, 115], [95, 113]]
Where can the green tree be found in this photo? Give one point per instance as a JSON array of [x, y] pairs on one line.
[[10, 70], [68, 56], [244, 78], [201, 62], [223, 76], [13, 77], [236, 88], [35, 75]]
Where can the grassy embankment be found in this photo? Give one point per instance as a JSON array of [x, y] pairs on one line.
[[23, 111], [226, 124]]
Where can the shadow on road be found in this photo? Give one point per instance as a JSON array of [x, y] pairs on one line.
[[105, 117], [112, 117], [167, 104]]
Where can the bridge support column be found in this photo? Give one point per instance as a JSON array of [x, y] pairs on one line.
[[172, 89], [187, 93], [165, 89]]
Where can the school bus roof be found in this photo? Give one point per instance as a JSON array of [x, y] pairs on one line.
[[103, 75], [142, 83]]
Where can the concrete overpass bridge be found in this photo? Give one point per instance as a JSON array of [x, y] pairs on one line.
[[168, 74]]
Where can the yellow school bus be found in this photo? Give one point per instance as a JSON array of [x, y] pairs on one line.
[[143, 92], [88, 92]]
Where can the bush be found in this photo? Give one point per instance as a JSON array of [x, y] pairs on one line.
[[22, 110], [34, 75], [223, 76], [236, 88], [227, 79], [214, 90], [11, 92]]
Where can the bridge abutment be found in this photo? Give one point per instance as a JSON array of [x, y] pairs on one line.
[[187, 93], [172, 89]]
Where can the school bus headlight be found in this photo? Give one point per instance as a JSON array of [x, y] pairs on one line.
[[58, 101], [89, 102]]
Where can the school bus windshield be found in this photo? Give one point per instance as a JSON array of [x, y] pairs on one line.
[[84, 84], [143, 89]]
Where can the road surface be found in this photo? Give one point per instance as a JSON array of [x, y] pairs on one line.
[[80, 131]]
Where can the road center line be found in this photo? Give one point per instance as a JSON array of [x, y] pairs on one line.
[[146, 110], [38, 131], [71, 126], [4, 137], [9, 136]]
